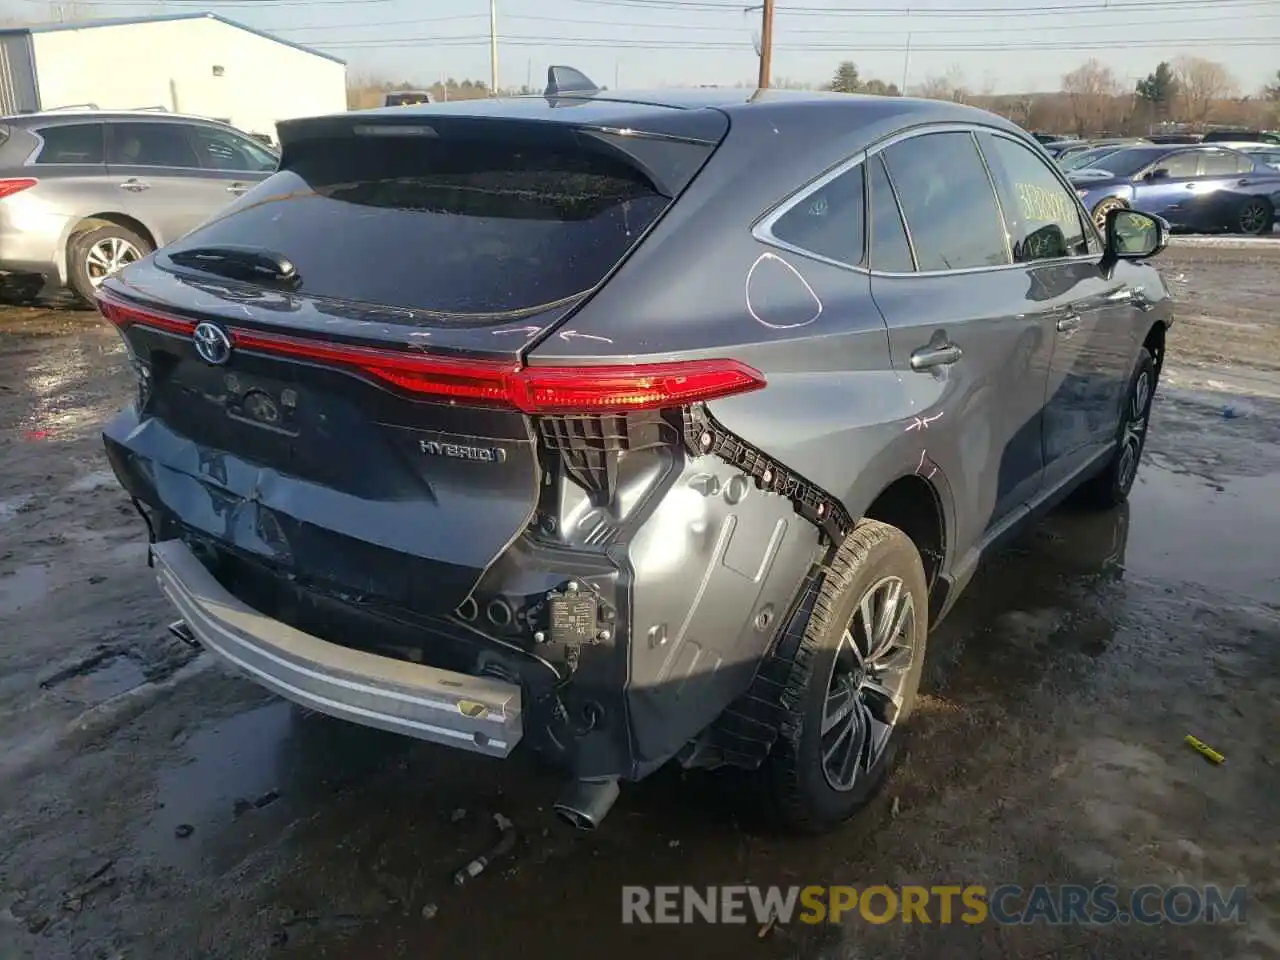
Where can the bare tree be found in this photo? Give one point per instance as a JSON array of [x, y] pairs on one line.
[[1201, 84], [1093, 92], [949, 86]]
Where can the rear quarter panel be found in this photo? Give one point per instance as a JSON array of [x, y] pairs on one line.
[[834, 410], [36, 224]]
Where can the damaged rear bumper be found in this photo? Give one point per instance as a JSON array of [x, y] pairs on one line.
[[480, 714]]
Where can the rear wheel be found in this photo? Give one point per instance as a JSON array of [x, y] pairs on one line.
[[853, 682], [1102, 209], [96, 253], [1254, 217]]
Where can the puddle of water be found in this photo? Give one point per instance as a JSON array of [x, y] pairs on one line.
[[11, 506], [275, 756], [23, 587], [1183, 529], [92, 481], [109, 678]]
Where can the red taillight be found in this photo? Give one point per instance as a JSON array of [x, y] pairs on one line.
[[536, 390], [8, 187]]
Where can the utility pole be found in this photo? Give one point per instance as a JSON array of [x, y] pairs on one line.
[[493, 48], [766, 44]]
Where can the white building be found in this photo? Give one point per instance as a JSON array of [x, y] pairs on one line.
[[195, 63]]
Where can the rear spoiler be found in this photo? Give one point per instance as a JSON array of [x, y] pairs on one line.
[[667, 146]]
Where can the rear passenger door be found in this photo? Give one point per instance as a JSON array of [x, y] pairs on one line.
[[969, 350], [1089, 318], [155, 175]]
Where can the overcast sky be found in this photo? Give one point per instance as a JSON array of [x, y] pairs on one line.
[[1007, 45]]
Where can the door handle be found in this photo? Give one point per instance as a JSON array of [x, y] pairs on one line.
[[941, 355], [134, 185], [237, 188], [1069, 323], [1244, 183]]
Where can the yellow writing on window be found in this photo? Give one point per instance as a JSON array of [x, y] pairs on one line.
[[1039, 204]]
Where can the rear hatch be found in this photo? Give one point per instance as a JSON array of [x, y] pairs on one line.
[[331, 370]]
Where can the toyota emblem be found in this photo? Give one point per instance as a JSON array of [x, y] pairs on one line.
[[213, 345]]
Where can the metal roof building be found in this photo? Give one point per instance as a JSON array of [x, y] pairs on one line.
[[196, 63]]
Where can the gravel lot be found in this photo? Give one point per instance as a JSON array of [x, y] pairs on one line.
[[153, 806]]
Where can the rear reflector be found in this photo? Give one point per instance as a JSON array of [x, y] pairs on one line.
[[9, 187], [534, 390]]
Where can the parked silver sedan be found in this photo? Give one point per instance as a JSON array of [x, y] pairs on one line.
[[82, 193]]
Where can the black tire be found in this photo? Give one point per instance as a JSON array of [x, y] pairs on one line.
[[799, 790], [81, 273], [1254, 217], [1101, 210], [1111, 487]]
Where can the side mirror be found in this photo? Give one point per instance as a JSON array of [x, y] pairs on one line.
[[1161, 173], [1132, 235]]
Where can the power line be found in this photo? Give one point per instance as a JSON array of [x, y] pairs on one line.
[[708, 6], [630, 43], [740, 31]]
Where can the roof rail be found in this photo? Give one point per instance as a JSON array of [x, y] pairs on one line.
[[158, 108], [562, 80], [71, 106]]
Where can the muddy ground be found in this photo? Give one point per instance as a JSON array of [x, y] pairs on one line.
[[153, 806]]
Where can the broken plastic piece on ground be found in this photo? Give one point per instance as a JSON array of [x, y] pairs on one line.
[[1204, 749], [36, 435], [504, 845]]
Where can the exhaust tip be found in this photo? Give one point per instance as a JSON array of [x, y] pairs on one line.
[[585, 803]]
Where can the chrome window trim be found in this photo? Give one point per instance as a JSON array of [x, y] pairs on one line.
[[762, 229], [38, 132]]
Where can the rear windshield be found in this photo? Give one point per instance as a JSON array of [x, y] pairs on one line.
[[448, 226]]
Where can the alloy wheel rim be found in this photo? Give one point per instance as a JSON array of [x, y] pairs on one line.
[[107, 256], [1100, 217], [1252, 217], [1135, 429], [869, 674]]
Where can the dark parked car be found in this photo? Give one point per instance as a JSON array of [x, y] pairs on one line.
[[631, 432], [1059, 149], [1083, 159], [1229, 136], [1194, 188]]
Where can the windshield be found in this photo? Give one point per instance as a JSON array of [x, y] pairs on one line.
[[1126, 163]]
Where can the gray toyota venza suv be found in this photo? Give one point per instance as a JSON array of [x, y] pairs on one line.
[[632, 428]]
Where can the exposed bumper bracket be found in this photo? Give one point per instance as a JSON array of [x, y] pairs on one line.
[[473, 713]]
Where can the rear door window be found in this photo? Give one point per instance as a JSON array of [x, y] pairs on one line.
[[890, 249], [485, 229], [828, 221], [139, 144], [1043, 218], [72, 143], [948, 202], [1221, 164]]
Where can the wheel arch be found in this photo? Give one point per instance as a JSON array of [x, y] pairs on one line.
[[93, 221], [1154, 342]]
